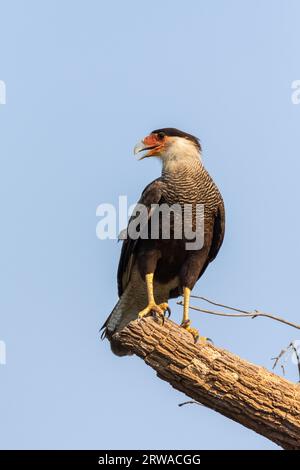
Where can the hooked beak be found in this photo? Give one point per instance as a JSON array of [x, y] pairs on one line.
[[141, 147]]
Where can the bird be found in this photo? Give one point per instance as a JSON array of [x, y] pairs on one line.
[[153, 270]]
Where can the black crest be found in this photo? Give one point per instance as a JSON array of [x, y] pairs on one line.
[[172, 132]]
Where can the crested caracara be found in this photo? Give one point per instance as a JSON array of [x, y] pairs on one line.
[[154, 269]]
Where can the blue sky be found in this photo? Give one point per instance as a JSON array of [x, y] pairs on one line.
[[85, 81]]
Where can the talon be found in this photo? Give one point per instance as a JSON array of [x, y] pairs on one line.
[[163, 320], [168, 310], [152, 309], [185, 323], [159, 316], [194, 332], [164, 307]]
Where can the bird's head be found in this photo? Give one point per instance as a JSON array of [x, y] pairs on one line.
[[170, 145]]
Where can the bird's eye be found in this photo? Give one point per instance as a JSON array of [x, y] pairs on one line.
[[160, 135]]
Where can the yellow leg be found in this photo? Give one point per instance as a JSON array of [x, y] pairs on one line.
[[186, 303], [152, 307], [186, 322]]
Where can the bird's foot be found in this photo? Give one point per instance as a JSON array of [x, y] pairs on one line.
[[158, 311], [166, 309], [194, 332]]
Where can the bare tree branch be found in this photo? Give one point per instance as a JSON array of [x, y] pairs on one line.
[[248, 394]]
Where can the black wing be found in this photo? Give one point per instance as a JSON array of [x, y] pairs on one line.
[[218, 232], [152, 194], [217, 235]]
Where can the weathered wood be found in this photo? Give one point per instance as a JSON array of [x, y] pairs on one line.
[[249, 394]]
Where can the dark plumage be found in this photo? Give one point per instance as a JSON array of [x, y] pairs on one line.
[[172, 132], [184, 180]]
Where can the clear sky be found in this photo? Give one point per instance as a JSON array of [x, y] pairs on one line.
[[85, 80]]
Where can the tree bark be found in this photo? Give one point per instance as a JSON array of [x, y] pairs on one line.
[[249, 394]]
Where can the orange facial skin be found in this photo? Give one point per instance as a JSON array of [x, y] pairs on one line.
[[155, 143], [151, 140]]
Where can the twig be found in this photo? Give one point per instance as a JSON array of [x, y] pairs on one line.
[[191, 402], [283, 353], [277, 358], [297, 357], [213, 302], [243, 313]]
